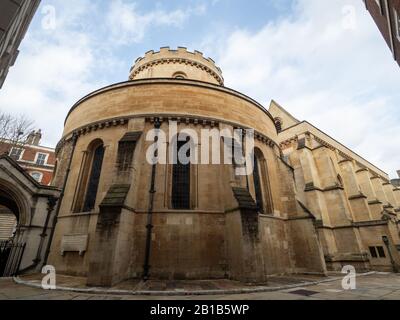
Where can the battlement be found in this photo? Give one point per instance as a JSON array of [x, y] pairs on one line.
[[181, 58]]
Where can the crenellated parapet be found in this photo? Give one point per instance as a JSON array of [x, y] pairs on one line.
[[179, 63]]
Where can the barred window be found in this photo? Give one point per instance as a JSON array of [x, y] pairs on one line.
[[125, 155], [181, 181]]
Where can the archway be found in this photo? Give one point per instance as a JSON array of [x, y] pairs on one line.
[[11, 212]]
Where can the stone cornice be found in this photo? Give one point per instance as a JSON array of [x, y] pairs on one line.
[[203, 121], [368, 166], [177, 61]]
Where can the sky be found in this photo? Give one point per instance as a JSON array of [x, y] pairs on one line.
[[324, 61]]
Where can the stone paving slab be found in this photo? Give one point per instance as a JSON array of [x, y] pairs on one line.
[[374, 286], [181, 288]]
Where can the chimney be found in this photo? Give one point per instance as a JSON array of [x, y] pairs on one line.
[[31, 137], [38, 136], [34, 138]]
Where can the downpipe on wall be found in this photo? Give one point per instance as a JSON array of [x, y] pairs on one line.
[[149, 224]]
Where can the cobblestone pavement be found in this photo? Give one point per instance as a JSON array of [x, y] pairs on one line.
[[379, 286]]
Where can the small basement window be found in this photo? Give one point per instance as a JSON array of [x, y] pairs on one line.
[[372, 251], [377, 252], [381, 252]]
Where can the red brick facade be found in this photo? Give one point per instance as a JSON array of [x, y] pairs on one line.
[[386, 14], [38, 161]]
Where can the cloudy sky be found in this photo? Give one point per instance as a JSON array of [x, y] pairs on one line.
[[324, 61]]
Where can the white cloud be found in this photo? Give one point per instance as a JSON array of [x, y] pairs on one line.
[[326, 63], [54, 69], [127, 25]]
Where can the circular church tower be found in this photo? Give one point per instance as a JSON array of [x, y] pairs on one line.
[[124, 215]]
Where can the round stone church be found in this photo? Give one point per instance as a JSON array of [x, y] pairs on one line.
[[123, 217]]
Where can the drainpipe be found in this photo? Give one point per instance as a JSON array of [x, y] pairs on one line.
[[51, 202], [74, 140], [149, 225]]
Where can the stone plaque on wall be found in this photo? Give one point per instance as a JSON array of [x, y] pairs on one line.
[[74, 243]]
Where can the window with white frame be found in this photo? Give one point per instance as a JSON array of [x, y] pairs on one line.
[[397, 22], [16, 153], [37, 176], [41, 159], [381, 6]]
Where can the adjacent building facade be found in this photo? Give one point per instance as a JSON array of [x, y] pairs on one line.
[[355, 205], [386, 14], [27, 217], [15, 17], [396, 182], [37, 160]]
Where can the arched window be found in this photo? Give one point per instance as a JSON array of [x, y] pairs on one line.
[[181, 178], [94, 179], [90, 177], [262, 187], [37, 176], [278, 124], [179, 75], [257, 185]]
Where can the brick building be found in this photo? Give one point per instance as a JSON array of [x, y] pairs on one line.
[[386, 14], [37, 160]]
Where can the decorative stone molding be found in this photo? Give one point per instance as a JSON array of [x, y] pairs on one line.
[[295, 139], [205, 122], [358, 196], [179, 56]]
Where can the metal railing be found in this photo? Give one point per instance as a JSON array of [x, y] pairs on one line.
[[10, 257]]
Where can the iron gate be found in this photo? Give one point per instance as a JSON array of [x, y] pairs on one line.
[[10, 257]]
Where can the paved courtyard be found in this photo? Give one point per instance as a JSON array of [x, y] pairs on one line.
[[378, 286]]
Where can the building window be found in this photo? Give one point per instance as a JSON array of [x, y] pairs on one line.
[[257, 185], [179, 75], [373, 252], [94, 179], [181, 180], [89, 178], [126, 148], [381, 252], [37, 176], [381, 6], [397, 22], [16, 153], [262, 187], [377, 252], [41, 159]]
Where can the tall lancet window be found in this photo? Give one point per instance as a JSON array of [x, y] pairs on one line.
[[262, 186], [181, 178], [257, 184], [92, 176]]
